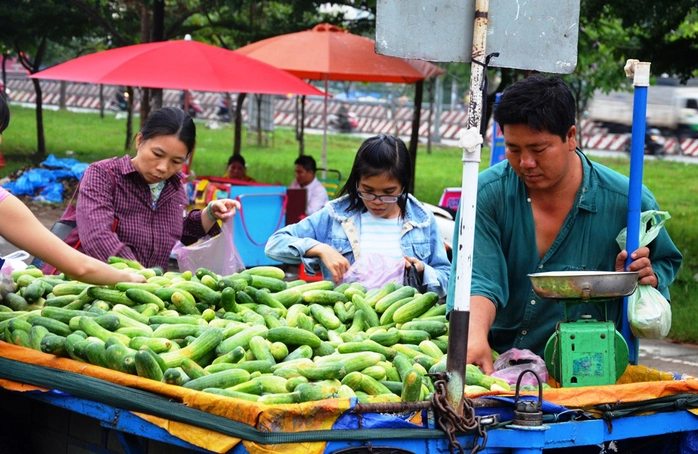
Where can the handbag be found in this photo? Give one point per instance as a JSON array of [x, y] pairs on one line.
[[413, 279]]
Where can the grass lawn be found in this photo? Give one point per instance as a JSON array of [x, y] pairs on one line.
[[91, 138]]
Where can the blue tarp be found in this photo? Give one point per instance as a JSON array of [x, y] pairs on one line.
[[46, 179]]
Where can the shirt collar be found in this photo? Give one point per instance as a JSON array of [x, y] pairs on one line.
[[586, 196]]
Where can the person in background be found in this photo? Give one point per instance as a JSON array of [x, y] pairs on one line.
[[20, 227], [373, 215], [136, 207], [547, 208], [305, 178], [237, 170]]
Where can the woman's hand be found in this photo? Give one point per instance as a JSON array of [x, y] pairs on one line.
[[418, 265], [133, 277], [223, 208], [333, 260], [640, 262]]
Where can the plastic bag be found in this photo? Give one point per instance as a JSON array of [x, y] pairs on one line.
[[512, 362], [414, 280], [217, 254], [375, 270], [649, 313], [8, 264]]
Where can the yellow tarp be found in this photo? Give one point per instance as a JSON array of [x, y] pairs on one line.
[[637, 384], [319, 415]]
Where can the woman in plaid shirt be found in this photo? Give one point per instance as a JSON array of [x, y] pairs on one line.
[[136, 207]]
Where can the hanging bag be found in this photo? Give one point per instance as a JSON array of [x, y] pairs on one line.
[[649, 313], [217, 254]]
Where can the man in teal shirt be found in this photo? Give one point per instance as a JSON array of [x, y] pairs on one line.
[[546, 208]]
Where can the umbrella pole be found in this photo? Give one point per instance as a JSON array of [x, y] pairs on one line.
[[324, 132], [640, 72], [460, 315]]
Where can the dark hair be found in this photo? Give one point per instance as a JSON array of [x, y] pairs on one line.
[[236, 158], [378, 155], [169, 121], [307, 162], [4, 113], [541, 103]]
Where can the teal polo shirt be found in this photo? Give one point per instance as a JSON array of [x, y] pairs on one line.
[[505, 251]]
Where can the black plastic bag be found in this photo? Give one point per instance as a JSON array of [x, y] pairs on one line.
[[413, 279]]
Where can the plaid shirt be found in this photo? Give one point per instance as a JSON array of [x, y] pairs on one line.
[[113, 189]]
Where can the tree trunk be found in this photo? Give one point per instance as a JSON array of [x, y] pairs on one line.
[[129, 118], [40, 138], [414, 138], [145, 37], [61, 95], [300, 124], [238, 124], [157, 34], [4, 75], [101, 100], [258, 100]]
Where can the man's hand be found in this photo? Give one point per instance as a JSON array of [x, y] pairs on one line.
[[640, 262], [412, 261], [333, 260], [480, 354]]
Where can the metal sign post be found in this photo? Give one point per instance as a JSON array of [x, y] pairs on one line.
[[540, 35]]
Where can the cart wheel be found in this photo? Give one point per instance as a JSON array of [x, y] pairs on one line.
[[372, 450]]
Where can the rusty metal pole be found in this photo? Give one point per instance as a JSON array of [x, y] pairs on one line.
[[471, 141]]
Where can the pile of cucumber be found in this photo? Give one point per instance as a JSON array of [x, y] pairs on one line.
[[250, 335]]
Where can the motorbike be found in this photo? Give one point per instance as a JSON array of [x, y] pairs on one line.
[[120, 101], [189, 103], [653, 144], [343, 122]]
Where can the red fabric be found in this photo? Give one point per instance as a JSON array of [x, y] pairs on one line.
[[182, 65], [113, 188], [332, 52]]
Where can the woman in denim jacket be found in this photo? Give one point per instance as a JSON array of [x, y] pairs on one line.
[[373, 214]]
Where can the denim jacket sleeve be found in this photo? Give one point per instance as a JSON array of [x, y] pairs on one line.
[[437, 268], [289, 245]]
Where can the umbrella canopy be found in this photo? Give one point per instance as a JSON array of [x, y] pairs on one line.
[[328, 52], [181, 65]]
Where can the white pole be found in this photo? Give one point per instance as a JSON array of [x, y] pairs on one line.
[[471, 142]]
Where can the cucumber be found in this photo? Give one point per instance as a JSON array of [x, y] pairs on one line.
[[433, 327], [371, 318], [266, 271], [325, 316], [323, 297], [54, 326], [96, 354], [271, 283], [293, 336], [260, 349], [263, 297], [224, 379], [233, 394], [52, 344], [411, 387], [403, 292], [147, 366], [144, 296], [200, 292], [242, 339], [413, 336], [178, 331], [111, 296], [183, 304], [202, 346], [415, 308], [157, 344], [192, 369]]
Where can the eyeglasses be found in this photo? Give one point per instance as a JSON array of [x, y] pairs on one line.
[[383, 198]]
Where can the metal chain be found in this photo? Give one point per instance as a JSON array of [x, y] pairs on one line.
[[450, 421]]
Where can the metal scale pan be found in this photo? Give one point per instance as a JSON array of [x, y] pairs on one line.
[[584, 285]]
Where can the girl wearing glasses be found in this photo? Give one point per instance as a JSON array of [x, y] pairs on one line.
[[372, 214]]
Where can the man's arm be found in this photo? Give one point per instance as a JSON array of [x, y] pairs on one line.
[[482, 313]]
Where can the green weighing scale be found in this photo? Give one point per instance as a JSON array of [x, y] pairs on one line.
[[585, 352]]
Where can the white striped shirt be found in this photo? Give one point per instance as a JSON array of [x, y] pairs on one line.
[[381, 236]]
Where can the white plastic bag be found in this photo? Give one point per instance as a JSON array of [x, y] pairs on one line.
[[375, 270], [217, 254], [649, 313], [11, 262]]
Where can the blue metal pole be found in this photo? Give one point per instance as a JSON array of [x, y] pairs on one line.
[[637, 156]]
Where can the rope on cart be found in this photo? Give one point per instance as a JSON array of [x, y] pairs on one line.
[[451, 421]]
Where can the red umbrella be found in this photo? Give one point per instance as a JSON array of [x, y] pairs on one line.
[[328, 52], [182, 65]]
